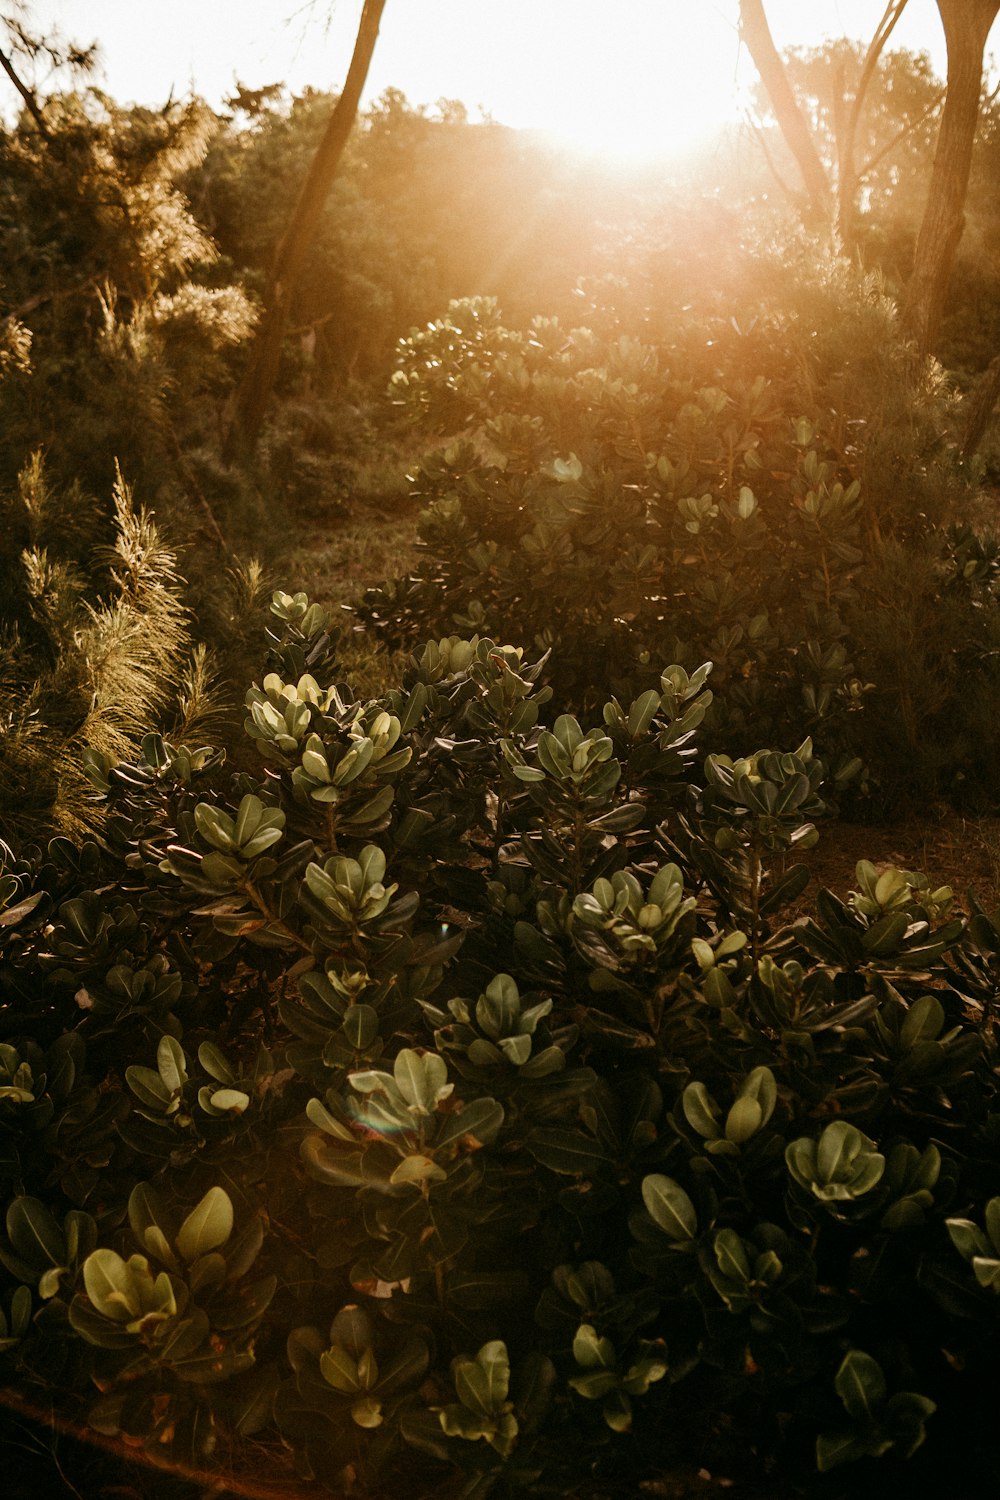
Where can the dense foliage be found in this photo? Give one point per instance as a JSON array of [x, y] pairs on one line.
[[455, 1096], [630, 494]]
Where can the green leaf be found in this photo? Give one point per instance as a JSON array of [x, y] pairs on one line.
[[481, 1384], [701, 1111], [743, 1120], [215, 1064], [860, 1385], [476, 1124], [339, 1370], [833, 1448], [171, 1064], [567, 1151], [35, 1234], [209, 1224], [416, 1169], [670, 1208], [731, 1256]]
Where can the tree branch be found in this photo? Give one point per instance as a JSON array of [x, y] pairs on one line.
[[847, 177], [31, 103]]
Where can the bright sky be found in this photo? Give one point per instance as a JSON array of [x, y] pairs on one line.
[[617, 72]]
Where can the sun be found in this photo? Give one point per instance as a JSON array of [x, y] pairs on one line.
[[631, 82], [638, 128]]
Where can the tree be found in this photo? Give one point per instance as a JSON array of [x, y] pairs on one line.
[[265, 354], [22, 47], [825, 200], [967, 25], [879, 157]]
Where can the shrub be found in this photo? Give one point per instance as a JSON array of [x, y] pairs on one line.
[[456, 1099], [598, 498]]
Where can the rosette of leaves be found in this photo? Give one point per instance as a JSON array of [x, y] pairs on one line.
[[588, 1293], [657, 738], [155, 778], [345, 1014], [614, 1381], [42, 1253], [24, 900], [350, 777], [634, 941], [248, 891], [571, 778], [839, 1170], [598, 1155], [282, 714], [979, 1245], [884, 928], [915, 1048], [90, 936], [751, 807], [496, 1041], [488, 1431], [171, 1320], [347, 899], [817, 1020], [617, 925], [298, 636], [879, 1423], [178, 1116], [766, 1281], [147, 993], [348, 1394], [508, 698], [415, 1150], [753, 1105]]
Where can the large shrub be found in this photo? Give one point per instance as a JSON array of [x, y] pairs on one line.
[[626, 499], [455, 1100]]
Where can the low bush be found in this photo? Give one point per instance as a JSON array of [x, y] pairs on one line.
[[456, 1103]]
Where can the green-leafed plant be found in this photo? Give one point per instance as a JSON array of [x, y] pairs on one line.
[[453, 1102], [662, 490]]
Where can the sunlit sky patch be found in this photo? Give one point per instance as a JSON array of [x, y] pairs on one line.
[[627, 78]]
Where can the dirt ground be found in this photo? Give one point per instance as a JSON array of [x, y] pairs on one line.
[[961, 852]]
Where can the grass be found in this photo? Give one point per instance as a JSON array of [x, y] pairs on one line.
[[335, 566]]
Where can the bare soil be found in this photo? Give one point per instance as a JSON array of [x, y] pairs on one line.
[[960, 852]]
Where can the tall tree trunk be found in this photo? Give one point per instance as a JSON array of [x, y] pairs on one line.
[[756, 33], [265, 353], [967, 25]]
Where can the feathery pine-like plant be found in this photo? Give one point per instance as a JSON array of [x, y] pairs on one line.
[[88, 660], [456, 1103]]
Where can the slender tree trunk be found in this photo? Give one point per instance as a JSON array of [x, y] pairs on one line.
[[967, 25], [756, 33], [847, 118], [265, 354]]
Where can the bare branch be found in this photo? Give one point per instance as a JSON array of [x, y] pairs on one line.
[[908, 129], [847, 177], [31, 103]]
